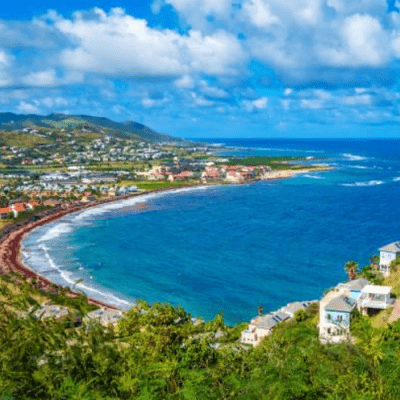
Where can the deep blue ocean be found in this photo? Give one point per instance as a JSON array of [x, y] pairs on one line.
[[230, 248]]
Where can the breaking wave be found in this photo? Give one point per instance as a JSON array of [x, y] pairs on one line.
[[363, 184], [353, 157]]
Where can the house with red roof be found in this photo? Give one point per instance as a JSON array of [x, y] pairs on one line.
[[211, 173], [183, 176]]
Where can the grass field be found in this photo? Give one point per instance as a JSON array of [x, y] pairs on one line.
[[162, 184], [23, 140]]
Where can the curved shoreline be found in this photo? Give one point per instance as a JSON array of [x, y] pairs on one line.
[[10, 243]]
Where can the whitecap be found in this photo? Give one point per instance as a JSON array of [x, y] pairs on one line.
[[103, 296], [56, 231], [396, 179], [105, 208], [311, 176], [353, 157], [358, 166], [363, 184]]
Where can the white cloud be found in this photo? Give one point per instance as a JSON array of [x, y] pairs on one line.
[[254, 105], [120, 45], [312, 104], [259, 13], [149, 102], [216, 54], [213, 91], [364, 99], [185, 82], [195, 12], [361, 41], [28, 108], [40, 78], [54, 102], [200, 101]]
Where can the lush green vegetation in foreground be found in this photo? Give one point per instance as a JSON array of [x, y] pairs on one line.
[[158, 353]]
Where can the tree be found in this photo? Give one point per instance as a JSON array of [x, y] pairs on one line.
[[352, 268], [374, 260]]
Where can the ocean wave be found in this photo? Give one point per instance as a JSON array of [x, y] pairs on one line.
[[80, 217], [396, 179], [57, 230], [363, 184], [275, 149], [353, 157], [68, 280], [311, 176], [358, 167]]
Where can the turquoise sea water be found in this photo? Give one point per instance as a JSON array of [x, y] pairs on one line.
[[230, 248]]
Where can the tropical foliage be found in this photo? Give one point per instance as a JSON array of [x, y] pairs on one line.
[[157, 352]]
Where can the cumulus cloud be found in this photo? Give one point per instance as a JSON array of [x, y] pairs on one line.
[[254, 105], [185, 82], [40, 78], [121, 45], [28, 108], [212, 91]]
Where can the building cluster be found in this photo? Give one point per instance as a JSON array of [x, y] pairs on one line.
[[81, 185], [69, 148], [336, 307], [206, 172]]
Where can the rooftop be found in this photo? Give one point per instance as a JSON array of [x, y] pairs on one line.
[[341, 303], [356, 284], [373, 289], [391, 248]]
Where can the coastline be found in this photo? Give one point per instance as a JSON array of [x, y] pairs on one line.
[[10, 244]]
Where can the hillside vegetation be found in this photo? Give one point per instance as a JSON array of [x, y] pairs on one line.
[[158, 353], [123, 130]]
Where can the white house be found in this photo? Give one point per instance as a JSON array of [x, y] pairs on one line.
[[374, 298], [337, 306], [388, 254], [334, 317]]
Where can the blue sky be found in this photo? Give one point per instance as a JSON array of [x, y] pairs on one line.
[[207, 68]]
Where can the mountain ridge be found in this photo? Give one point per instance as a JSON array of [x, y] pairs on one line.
[[123, 130]]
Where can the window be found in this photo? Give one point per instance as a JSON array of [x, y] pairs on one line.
[[328, 317], [339, 318]]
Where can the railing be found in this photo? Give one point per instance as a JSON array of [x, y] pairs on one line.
[[337, 322], [375, 303]]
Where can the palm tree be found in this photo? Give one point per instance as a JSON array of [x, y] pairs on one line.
[[374, 261], [351, 267]]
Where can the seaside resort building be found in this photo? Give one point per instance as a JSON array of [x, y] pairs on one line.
[[388, 254], [337, 306]]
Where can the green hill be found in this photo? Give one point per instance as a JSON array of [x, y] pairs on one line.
[[123, 130]]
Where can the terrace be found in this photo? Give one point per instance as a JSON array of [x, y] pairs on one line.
[[375, 297]]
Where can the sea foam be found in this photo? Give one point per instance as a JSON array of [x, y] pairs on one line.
[[363, 184], [57, 230], [353, 157]]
